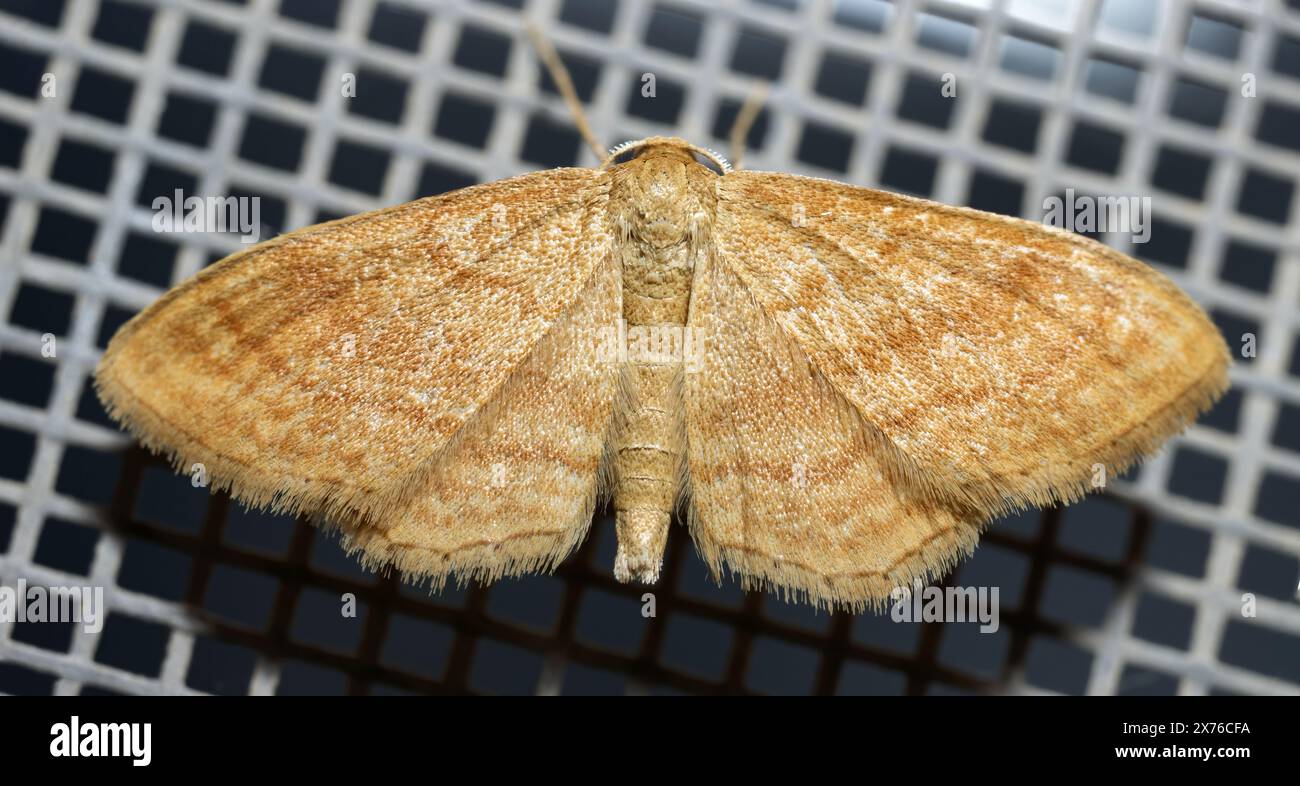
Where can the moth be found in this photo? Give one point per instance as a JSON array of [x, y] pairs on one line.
[[836, 387]]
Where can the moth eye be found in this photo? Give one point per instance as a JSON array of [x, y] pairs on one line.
[[712, 159], [713, 166], [626, 152]]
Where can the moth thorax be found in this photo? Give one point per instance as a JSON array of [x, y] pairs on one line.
[[657, 284]]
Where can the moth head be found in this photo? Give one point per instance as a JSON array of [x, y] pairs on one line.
[[636, 148], [664, 188]]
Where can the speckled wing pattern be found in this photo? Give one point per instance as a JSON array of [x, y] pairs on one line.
[[350, 370], [515, 490], [789, 486], [999, 360]]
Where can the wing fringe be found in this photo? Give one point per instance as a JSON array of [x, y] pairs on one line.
[[854, 592], [1068, 482]]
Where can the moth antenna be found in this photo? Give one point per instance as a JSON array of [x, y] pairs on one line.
[[745, 120], [617, 150], [560, 76], [720, 160]]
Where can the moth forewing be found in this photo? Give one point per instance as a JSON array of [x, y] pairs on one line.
[[1085, 356], [299, 372]]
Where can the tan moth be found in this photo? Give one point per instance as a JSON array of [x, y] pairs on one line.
[[836, 387]]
